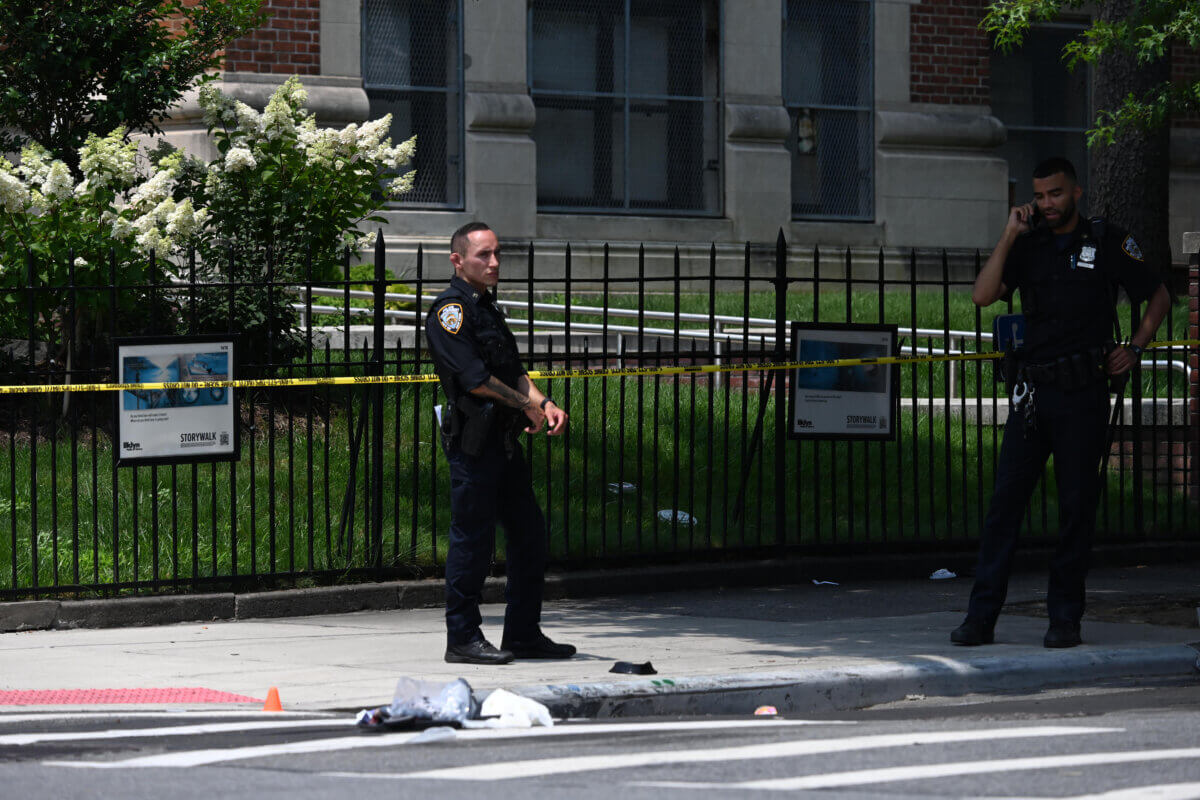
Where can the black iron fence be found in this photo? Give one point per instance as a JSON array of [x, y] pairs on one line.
[[348, 482]]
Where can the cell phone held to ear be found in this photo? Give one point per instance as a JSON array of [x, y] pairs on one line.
[[1034, 220]]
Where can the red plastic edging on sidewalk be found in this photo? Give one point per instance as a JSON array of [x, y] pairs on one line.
[[181, 694]]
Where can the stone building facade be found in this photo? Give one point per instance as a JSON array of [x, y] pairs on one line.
[[859, 123]]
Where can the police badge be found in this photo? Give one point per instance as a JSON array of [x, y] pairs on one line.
[[451, 317], [1131, 249]]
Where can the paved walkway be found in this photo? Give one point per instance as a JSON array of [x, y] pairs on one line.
[[804, 647]]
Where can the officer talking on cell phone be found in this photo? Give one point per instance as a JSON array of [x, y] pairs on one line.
[[490, 402], [1067, 270]]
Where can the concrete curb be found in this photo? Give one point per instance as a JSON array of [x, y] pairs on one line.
[[428, 593], [809, 691]]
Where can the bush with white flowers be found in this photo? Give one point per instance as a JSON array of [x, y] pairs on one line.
[[53, 222], [290, 197], [284, 198]]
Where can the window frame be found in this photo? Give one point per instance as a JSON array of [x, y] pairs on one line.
[[631, 99], [459, 87], [867, 111]]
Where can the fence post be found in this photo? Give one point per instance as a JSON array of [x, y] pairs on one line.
[[375, 367], [781, 394], [1191, 246]]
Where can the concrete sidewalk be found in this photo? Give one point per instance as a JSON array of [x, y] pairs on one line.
[[801, 648]]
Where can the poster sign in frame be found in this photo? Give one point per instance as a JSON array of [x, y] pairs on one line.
[[852, 402], [176, 426]]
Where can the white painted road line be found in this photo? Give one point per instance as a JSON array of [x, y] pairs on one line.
[[1161, 791], [557, 766], [835, 780], [171, 730], [195, 758], [7, 718]]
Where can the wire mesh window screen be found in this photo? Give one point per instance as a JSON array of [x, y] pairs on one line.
[[1045, 107], [627, 103], [828, 87], [412, 69]]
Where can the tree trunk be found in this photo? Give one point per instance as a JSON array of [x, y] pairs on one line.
[[1129, 179]]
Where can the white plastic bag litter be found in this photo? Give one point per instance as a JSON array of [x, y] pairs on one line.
[[941, 575], [508, 710], [441, 702]]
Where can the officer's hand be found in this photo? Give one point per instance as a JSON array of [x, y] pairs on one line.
[[1019, 218], [557, 418], [537, 417], [1120, 361]]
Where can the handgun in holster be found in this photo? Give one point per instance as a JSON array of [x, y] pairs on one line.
[[1010, 366], [475, 420]]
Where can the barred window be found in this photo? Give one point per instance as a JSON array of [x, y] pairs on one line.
[[627, 105], [1045, 107], [828, 87], [412, 69]]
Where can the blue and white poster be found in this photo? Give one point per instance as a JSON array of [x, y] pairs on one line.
[[176, 423], [849, 400]]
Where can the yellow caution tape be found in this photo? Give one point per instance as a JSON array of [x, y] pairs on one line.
[[550, 374]]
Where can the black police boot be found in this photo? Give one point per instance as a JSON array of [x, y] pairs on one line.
[[972, 634], [479, 651], [1062, 634], [540, 646]]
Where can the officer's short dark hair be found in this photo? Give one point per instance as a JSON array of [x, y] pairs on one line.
[[1053, 166], [458, 242]]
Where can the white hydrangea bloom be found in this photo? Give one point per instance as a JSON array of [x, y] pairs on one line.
[[402, 184], [211, 104], [239, 158], [248, 119], [185, 220], [14, 196], [109, 160], [153, 190], [371, 134], [58, 185], [34, 166], [402, 154], [121, 228], [79, 262]]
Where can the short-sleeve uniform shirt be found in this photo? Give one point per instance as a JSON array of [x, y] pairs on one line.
[[1068, 285], [469, 339]]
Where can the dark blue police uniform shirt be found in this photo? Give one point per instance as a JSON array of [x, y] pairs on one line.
[[469, 339], [1067, 306]]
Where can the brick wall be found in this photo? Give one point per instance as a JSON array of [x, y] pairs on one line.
[[950, 54], [289, 42], [1185, 67]]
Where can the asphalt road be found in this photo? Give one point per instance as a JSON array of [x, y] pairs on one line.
[[1117, 742]]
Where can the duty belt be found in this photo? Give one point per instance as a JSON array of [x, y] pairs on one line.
[[1070, 372]]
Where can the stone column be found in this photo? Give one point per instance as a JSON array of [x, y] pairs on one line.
[[501, 158], [758, 168], [1191, 248]]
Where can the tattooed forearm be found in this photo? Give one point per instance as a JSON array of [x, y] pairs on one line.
[[495, 389]]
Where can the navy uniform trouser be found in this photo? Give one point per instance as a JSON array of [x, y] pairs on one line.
[[486, 489], [1072, 427]]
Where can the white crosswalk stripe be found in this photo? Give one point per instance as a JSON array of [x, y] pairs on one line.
[[1162, 791], [863, 777], [196, 758], [170, 730], [503, 770]]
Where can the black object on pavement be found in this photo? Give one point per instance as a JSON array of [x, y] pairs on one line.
[[627, 668]]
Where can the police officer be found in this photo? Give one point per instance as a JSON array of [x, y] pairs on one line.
[[1067, 269], [490, 400]]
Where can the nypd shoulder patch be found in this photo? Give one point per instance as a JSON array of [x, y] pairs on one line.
[[1131, 249], [451, 317]]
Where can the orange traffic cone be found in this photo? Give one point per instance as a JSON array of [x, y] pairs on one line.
[[272, 703]]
